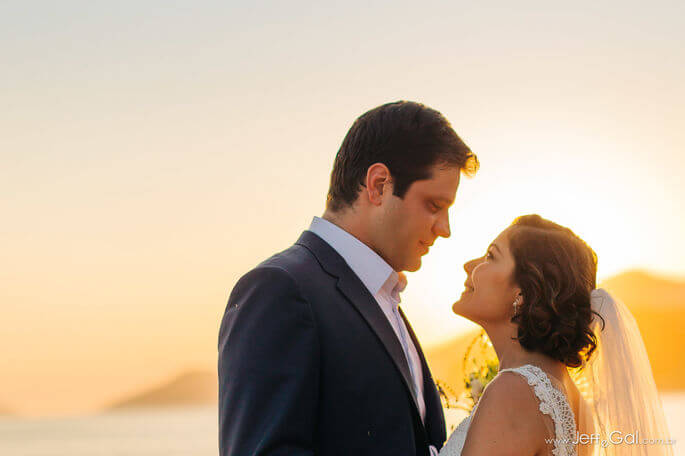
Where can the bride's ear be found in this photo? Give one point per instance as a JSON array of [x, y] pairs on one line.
[[518, 297], [518, 300]]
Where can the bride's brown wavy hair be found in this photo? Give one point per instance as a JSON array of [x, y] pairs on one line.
[[556, 271]]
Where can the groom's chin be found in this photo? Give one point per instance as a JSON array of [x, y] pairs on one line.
[[413, 266]]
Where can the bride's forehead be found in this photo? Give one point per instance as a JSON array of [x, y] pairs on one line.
[[502, 240]]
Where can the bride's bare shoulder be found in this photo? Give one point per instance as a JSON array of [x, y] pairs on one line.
[[507, 420]]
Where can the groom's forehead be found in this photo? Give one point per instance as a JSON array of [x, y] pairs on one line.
[[440, 185]]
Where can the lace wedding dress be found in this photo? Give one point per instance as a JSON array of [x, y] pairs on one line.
[[552, 402]]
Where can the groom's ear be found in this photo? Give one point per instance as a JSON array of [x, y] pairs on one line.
[[378, 182]]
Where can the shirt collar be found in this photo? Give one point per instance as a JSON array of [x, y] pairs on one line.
[[395, 284], [374, 272]]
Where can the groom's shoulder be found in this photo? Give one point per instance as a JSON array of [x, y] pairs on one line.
[[279, 274], [296, 260], [296, 263]]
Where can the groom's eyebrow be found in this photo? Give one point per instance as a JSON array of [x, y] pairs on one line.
[[495, 246], [445, 200]]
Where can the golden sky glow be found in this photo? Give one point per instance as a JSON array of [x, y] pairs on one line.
[[152, 154]]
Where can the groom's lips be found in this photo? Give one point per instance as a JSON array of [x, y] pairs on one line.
[[427, 245]]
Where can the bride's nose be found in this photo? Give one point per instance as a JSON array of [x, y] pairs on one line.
[[469, 265]]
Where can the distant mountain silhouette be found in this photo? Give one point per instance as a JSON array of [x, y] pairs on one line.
[[639, 289], [446, 361], [188, 388], [658, 305]]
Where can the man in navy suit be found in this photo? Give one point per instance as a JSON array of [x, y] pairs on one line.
[[315, 354]]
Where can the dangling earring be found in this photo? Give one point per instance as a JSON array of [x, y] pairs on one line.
[[516, 306]]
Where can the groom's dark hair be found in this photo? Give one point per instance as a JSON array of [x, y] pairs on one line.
[[407, 137]]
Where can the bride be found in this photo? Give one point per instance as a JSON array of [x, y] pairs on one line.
[[574, 375]]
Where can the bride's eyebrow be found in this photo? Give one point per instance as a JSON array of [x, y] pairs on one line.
[[495, 246]]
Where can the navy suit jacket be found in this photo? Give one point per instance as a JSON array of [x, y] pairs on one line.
[[309, 364]]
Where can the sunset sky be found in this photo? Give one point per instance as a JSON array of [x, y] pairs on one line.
[[152, 152]]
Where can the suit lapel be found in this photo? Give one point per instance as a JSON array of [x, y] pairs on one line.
[[360, 297], [435, 418]]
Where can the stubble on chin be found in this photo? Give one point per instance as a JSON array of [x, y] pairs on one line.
[[414, 266]]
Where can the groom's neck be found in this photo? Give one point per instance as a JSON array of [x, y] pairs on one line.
[[350, 221]]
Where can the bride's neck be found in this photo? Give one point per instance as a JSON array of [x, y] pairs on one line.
[[510, 353]]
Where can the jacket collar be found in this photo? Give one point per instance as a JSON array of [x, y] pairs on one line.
[[359, 296]]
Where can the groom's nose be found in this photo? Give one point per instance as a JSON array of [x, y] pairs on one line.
[[442, 227]]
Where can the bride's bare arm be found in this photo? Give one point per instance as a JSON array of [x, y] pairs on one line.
[[507, 421]]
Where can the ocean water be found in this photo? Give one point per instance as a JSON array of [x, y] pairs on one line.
[[174, 432]]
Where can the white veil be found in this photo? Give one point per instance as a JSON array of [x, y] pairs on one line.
[[620, 406]]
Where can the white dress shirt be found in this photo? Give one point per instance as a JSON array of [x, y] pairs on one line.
[[384, 283]]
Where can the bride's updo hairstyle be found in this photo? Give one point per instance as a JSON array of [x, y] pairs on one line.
[[556, 271]]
